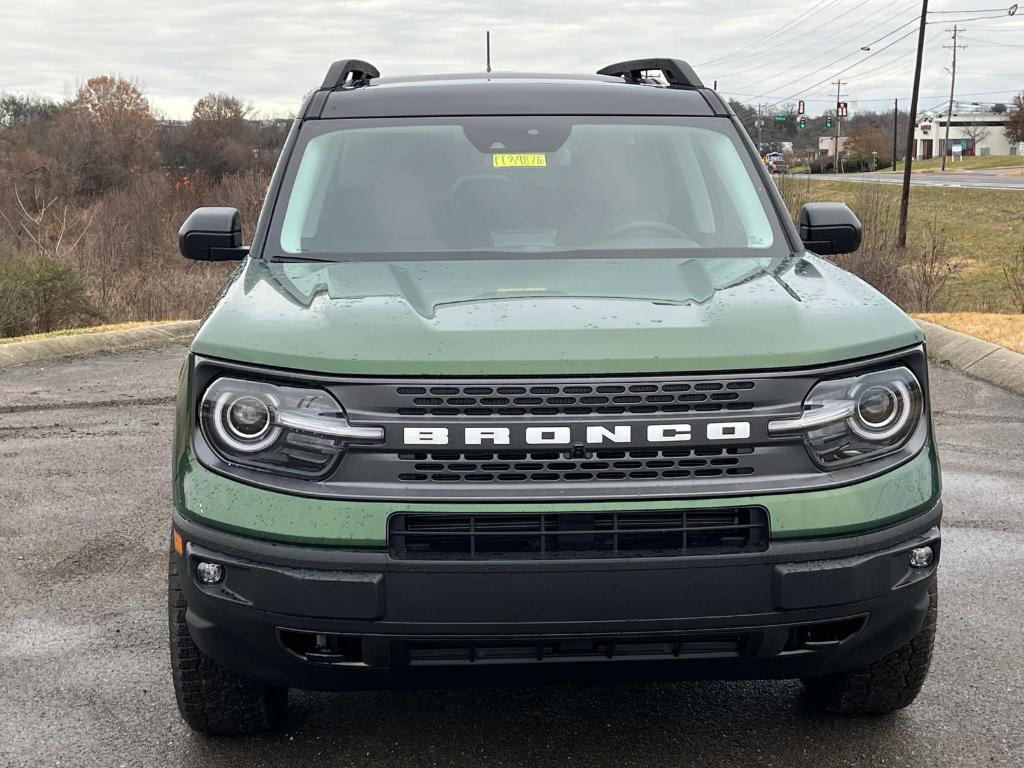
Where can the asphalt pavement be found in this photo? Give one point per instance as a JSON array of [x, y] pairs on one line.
[[978, 179], [85, 678]]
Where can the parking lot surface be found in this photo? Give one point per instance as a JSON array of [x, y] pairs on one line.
[[84, 671]]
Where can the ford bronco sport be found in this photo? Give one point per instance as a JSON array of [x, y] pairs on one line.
[[535, 373]]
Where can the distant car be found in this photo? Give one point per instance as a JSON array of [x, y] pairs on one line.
[[777, 166]]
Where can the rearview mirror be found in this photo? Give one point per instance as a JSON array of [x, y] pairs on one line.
[[828, 229], [212, 234]]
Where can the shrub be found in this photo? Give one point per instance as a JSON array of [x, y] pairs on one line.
[[39, 294], [930, 267], [1013, 273]]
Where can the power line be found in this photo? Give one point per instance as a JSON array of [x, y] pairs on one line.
[[845, 69], [1009, 91], [788, 25], [799, 34], [811, 60], [972, 10]]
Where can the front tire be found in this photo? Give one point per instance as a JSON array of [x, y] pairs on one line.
[[885, 685], [211, 698]]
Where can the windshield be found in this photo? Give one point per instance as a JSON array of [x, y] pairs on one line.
[[527, 185]]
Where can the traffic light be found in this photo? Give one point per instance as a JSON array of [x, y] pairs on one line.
[[803, 122], [800, 108], [828, 121], [842, 110]]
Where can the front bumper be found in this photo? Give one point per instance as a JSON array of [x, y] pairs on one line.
[[325, 618]]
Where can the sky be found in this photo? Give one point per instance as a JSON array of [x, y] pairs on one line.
[[272, 52]]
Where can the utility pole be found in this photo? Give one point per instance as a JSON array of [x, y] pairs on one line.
[[488, 50], [759, 121], [839, 121], [952, 86], [901, 235], [895, 130]]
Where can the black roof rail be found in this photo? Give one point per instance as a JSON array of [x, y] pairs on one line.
[[343, 74], [677, 73], [361, 73]]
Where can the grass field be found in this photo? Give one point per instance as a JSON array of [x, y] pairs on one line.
[[968, 163], [1005, 330], [75, 331], [983, 226]]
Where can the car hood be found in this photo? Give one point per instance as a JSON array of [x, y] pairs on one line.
[[550, 316]]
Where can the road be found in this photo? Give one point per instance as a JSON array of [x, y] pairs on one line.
[[85, 680], [973, 179]]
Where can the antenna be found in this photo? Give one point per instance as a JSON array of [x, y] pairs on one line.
[[488, 50]]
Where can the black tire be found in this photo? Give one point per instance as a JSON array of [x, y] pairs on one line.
[[211, 698], [886, 685]]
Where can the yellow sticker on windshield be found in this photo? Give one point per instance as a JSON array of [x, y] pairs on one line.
[[520, 160]]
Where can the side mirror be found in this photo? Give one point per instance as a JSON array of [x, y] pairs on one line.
[[829, 228], [212, 234]]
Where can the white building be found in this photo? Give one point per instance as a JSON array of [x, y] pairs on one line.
[[827, 145], [970, 133]]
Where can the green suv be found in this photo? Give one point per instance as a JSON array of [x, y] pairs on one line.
[[533, 376]]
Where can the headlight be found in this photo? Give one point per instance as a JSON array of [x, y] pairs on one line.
[[857, 419], [284, 429]]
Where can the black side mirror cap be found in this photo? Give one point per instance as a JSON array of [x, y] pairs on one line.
[[212, 234], [828, 229]]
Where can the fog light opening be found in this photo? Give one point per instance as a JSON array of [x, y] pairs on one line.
[[921, 557], [210, 573]]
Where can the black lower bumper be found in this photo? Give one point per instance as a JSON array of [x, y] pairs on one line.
[[325, 618]]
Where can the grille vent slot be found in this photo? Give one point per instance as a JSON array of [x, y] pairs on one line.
[[560, 466], [647, 533], [567, 399]]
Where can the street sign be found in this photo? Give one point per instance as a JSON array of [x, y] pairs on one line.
[[779, 118], [842, 109]]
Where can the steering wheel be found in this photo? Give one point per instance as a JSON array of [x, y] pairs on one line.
[[648, 225]]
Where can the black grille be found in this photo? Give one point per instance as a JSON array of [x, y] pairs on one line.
[[575, 399], [649, 533], [565, 466], [483, 652]]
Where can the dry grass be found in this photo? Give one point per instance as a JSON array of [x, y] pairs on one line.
[[77, 331], [1004, 330], [983, 227]]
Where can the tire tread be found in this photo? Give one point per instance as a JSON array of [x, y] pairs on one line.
[[211, 698]]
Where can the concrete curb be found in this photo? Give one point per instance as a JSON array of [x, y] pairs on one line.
[[981, 359], [20, 352]]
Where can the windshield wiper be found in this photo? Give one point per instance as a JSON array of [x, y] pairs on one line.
[[301, 258]]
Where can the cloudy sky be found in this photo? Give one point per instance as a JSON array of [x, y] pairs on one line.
[[270, 52]]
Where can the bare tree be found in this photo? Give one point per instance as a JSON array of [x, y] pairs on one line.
[[54, 228], [1015, 120], [977, 133]]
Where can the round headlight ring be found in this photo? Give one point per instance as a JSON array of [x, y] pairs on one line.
[[236, 438], [894, 423]]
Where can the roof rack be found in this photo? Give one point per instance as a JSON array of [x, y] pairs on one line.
[[677, 73], [349, 72], [344, 74]]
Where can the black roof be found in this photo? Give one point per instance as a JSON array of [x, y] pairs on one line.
[[514, 93]]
